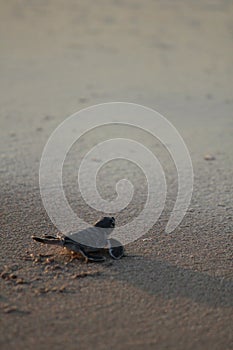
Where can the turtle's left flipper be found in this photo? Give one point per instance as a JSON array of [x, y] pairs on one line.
[[48, 240], [49, 236], [116, 250]]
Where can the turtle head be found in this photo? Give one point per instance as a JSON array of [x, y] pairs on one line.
[[106, 222]]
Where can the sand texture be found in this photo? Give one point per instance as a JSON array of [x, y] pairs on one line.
[[171, 291]]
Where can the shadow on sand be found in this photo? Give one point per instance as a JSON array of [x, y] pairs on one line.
[[169, 281]]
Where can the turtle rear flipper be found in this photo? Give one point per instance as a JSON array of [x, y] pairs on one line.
[[48, 240], [46, 235], [116, 250]]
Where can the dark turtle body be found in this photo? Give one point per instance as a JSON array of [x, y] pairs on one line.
[[89, 242]]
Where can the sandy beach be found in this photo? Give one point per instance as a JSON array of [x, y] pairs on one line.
[[170, 291]]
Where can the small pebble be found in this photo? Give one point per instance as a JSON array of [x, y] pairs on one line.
[[10, 309], [56, 267], [5, 275], [49, 261], [86, 274], [62, 289], [147, 239], [209, 157], [20, 281]]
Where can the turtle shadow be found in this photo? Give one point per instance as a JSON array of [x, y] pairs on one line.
[[169, 281]]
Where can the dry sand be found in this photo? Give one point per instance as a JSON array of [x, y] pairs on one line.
[[171, 291]]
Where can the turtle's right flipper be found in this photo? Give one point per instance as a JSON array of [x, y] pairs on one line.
[[116, 249]]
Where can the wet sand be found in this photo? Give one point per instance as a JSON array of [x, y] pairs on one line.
[[170, 291]]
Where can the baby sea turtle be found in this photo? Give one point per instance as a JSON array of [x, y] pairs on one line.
[[90, 241]]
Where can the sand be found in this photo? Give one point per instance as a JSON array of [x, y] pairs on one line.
[[170, 291]]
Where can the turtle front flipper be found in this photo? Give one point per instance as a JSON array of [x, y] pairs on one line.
[[78, 248], [91, 257], [116, 249]]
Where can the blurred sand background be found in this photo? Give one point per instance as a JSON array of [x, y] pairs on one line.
[[171, 291]]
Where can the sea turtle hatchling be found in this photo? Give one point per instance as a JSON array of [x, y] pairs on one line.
[[88, 242]]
